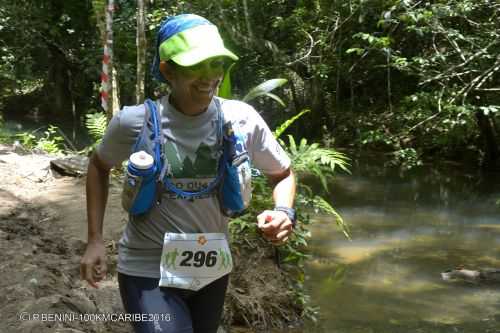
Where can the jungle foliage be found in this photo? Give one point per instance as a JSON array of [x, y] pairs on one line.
[[411, 78], [415, 80]]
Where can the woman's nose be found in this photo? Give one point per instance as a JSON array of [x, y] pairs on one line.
[[209, 72]]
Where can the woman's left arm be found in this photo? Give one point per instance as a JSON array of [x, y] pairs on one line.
[[276, 225]]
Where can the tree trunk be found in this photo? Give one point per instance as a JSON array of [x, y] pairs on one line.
[[115, 92], [141, 51], [58, 85], [490, 141], [109, 84], [251, 37], [319, 114], [114, 105]]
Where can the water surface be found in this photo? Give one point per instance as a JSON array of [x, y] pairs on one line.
[[406, 230]]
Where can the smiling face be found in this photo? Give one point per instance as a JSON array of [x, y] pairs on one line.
[[193, 87]]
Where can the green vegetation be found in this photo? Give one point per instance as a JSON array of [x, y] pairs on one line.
[[50, 141], [96, 124], [416, 82], [307, 159]]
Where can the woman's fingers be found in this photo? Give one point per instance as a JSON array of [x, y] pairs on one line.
[[275, 226], [86, 273], [93, 264], [282, 235], [271, 220]]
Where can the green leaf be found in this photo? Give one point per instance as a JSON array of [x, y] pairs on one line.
[[264, 88], [357, 50], [281, 128], [325, 207], [225, 87], [276, 98], [292, 145], [96, 124]]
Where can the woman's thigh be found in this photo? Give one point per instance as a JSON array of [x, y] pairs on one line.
[[178, 311], [142, 295], [206, 306]]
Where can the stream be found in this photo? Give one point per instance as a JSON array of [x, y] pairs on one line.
[[406, 230]]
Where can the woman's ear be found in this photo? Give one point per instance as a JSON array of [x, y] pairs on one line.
[[166, 70]]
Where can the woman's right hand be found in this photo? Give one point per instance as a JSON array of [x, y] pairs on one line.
[[93, 266]]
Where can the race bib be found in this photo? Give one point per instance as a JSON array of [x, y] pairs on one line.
[[191, 261]]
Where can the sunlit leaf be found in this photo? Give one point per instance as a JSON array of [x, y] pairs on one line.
[[225, 89], [264, 88], [276, 98]]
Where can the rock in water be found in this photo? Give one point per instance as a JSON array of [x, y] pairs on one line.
[[461, 274]]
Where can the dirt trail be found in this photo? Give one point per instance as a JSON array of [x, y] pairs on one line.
[[42, 238]]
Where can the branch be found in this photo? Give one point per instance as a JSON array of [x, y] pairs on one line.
[[452, 42], [481, 78], [487, 89], [434, 115], [434, 44], [247, 21], [72, 146], [488, 75], [359, 60], [308, 53], [474, 56], [334, 31]]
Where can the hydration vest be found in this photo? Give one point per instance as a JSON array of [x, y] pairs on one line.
[[232, 181]]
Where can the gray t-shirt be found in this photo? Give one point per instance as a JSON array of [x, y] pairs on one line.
[[192, 150]]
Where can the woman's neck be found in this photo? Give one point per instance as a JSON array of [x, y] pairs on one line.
[[186, 108]]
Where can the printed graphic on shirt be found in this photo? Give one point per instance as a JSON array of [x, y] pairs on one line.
[[203, 165], [191, 172]]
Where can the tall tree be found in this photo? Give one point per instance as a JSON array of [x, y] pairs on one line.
[[141, 50], [109, 82]]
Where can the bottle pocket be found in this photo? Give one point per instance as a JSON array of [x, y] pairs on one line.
[[131, 187], [236, 188], [139, 192]]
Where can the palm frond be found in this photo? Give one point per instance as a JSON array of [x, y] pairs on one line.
[[276, 98], [264, 88]]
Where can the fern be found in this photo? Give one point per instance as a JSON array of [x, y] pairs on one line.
[[310, 158], [321, 163], [96, 124], [322, 205]]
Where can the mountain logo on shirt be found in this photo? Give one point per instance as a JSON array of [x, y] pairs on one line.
[[203, 165]]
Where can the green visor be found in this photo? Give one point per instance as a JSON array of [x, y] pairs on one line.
[[189, 47]]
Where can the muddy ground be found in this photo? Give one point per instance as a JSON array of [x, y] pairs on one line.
[[42, 237]]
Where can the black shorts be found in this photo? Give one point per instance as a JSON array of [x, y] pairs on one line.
[[172, 310]]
